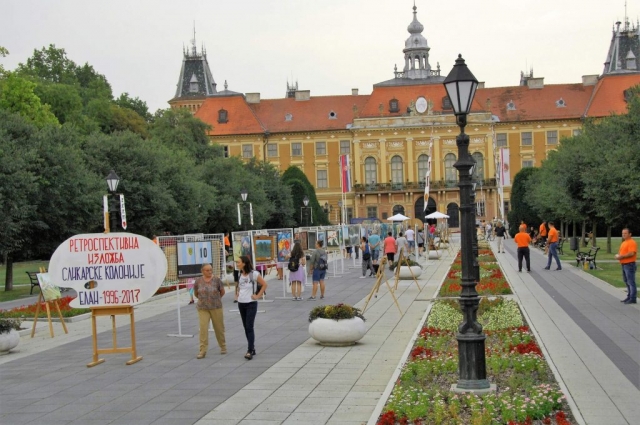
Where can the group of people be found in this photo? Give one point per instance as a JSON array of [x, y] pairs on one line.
[[523, 240]]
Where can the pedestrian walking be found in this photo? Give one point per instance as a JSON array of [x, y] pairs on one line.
[[209, 290], [401, 245], [522, 239], [542, 231], [420, 240], [390, 248], [374, 244], [367, 264], [627, 255], [552, 242], [500, 232], [410, 235], [251, 287], [318, 270], [297, 261]]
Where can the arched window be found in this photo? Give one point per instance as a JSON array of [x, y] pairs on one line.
[[478, 172], [396, 170], [423, 167], [449, 171], [370, 171]]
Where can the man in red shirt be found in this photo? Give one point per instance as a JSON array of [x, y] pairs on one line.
[[552, 242], [522, 239], [627, 256]]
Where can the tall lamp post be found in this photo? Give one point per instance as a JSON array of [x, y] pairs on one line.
[[306, 216], [327, 210], [461, 87], [242, 210], [112, 182], [340, 207]]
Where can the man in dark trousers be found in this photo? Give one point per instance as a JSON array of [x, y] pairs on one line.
[[500, 232], [522, 239]]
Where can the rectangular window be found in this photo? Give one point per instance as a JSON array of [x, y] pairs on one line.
[[527, 163], [247, 151], [321, 148], [322, 179], [527, 138], [501, 140], [272, 149], [345, 147], [349, 214], [480, 211], [225, 151], [577, 132], [552, 137], [385, 215], [372, 212], [296, 149], [506, 208]]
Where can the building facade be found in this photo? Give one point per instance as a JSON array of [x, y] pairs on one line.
[[405, 127]]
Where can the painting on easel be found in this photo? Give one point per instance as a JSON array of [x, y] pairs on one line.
[[50, 291]]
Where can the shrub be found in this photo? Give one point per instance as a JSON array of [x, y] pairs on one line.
[[7, 324], [335, 312]]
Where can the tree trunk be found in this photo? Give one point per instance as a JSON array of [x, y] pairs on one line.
[[575, 230], [608, 239], [584, 230], [8, 278]]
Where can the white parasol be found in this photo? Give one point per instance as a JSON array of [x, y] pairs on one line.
[[437, 214], [398, 217]]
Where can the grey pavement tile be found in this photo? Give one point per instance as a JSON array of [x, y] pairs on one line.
[[20, 418], [176, 415]]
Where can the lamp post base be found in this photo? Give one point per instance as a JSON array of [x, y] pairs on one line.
[[457, 388], [471, 362]]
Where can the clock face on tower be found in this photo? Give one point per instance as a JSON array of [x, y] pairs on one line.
[[421, 105]]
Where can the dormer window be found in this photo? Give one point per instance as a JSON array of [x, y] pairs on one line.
[[560, 103], [511, 106], [333, 115], [223, 116], [288, 117], [394, 105], [446, 104], [193, 84]]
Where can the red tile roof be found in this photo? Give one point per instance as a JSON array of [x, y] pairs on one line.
[[308, 115], [536, 104], [241, 119], [608, 96]]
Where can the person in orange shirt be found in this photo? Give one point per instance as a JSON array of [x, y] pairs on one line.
[[522, 239], [389, 245], [543, 231], [627, 256], [552, 242]]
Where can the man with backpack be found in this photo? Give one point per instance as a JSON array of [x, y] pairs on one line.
[[318, 269], [366, 258]]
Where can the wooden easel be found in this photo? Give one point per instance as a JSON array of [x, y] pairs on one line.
[[397, 273], [46, 303], [376, 286], [113, 312]]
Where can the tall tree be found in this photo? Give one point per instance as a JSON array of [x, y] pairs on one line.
[[278, 193], [17, 95], [520, 208], [137, 105], [295, 173]]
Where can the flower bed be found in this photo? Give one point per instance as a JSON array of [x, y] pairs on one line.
[[526, 389]]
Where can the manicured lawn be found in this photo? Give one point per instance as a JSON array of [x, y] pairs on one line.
[[616, 240], [20, 278], [610, 273]]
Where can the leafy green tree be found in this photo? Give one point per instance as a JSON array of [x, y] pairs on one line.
[[520, 208], [50, 64], [137, 105], [295, 173], [17, 95], [3, 53], [63, 99], [278, 193]]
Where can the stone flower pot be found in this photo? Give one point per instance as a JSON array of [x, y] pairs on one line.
[[405, 274], [9, 340], [435, 255], [337, 333]]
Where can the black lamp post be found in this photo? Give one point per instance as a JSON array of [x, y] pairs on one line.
[[461, 87], [340, 207], [305, 212], [327, 210], [242, 214], [112, 183]]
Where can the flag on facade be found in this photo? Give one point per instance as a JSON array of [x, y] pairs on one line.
[[505, 173], [105, 213], [427, 179], [345, 173]]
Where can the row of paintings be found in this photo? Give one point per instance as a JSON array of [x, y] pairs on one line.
[[265, 248]]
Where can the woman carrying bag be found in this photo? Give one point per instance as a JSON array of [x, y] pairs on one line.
[[297, 276], [251, 286], [366, 258]]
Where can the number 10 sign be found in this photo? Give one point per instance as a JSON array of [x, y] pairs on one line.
[[191, 257]]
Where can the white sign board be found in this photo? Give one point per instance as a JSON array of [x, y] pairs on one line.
[[192, 256], [108, 269]]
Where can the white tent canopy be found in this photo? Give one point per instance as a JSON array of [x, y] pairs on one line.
[[398, 217], [436, 214]]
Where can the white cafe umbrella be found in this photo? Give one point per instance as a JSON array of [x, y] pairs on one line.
[[398, 217], [437, 214]]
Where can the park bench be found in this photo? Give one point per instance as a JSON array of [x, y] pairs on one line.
[[588, 257], [560, 243], [33, 279]]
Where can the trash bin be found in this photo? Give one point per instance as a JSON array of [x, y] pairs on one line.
[[573, 243]]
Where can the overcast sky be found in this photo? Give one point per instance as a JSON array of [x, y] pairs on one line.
[[328, 46]]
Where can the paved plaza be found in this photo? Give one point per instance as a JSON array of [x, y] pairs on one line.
[[591, 340]]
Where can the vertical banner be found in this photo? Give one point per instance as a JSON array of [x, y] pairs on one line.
[[105, 213], [239, 216], [427, 179], [346, 175], [505, 173], [251, 213], [123, 213]]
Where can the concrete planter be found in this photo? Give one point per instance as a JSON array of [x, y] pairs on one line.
[[435, 255], [9, 340], [337, 333], [405, 274]]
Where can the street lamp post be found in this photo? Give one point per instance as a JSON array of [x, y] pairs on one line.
[[327, 210], [242, 214], [306, 216], [461, 86], [112, 183], [340, 207]]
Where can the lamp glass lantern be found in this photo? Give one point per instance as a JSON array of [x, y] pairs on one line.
[[243, 194], [112, 181], [461, 87], [305, 201]]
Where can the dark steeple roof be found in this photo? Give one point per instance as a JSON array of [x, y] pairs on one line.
[[196, 80], [624, 49]]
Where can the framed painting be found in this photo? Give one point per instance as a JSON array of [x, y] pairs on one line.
[[264, 248], [284, 244], [354, 235], [49, 290], [322, 236], [311, 239], [304, 240], [332, 239]]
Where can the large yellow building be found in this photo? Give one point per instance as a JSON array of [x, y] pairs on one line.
[[390, 133]]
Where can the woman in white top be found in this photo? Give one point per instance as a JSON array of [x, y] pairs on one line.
[[248, 295]]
